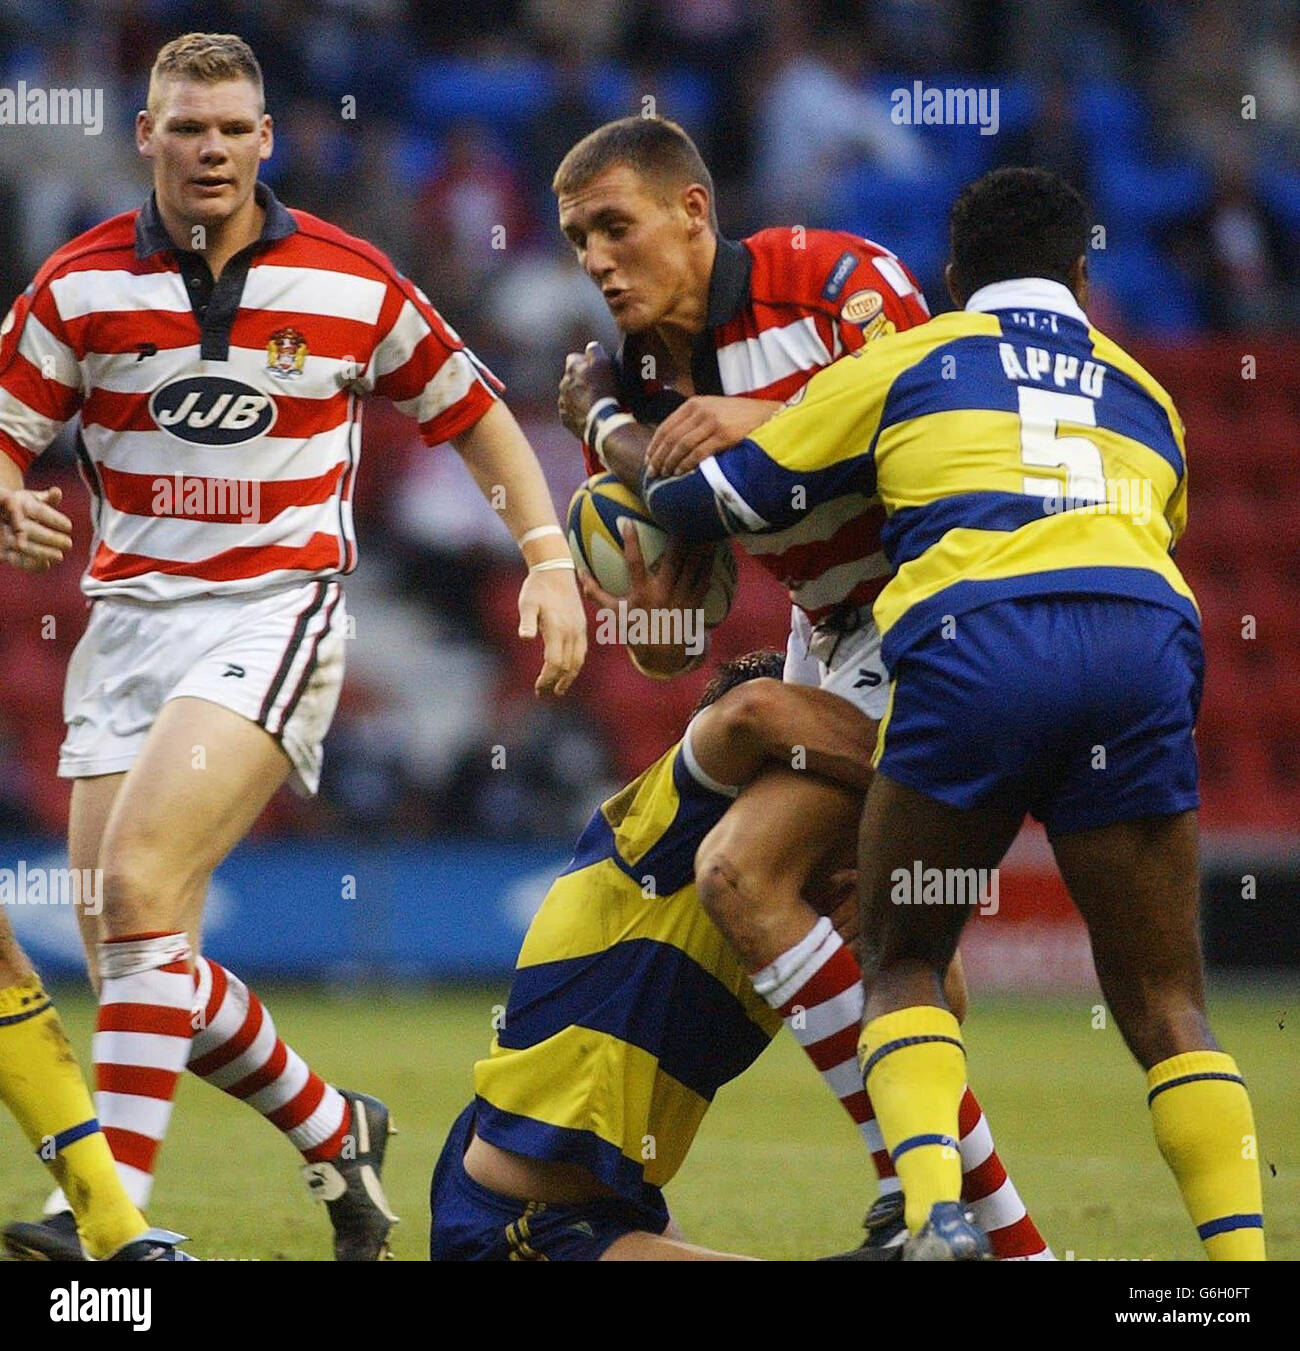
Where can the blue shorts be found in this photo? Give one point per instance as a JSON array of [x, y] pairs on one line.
[[473, 1224], [1077, 709]]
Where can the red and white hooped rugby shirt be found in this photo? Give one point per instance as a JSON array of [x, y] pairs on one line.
[[221, 423], [783, 304]]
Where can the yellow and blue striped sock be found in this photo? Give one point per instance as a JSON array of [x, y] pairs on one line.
[[1206, 1131], [914, 1068], [41, 1084]]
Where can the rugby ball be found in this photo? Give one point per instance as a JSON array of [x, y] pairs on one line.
[[595, 524]]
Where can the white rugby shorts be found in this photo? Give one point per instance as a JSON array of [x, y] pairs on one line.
[[275, 659], [845, 663]]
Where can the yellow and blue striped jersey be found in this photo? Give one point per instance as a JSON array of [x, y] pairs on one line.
[[1017, 450], [628, 1010]]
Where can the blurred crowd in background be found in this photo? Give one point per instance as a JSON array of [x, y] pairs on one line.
[[433, 129]]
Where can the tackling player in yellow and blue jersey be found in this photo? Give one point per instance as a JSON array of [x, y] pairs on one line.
[[1045, 657], [628, 1009]]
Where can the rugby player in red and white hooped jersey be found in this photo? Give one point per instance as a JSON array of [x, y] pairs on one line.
[[218, 348], [716, 336]]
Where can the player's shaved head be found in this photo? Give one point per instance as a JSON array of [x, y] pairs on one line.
[[766, 663], [656, 149], [206, 58], [1015, 223]]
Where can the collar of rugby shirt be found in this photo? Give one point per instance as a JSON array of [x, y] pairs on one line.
[[214, 302], [729, 293], [1027, 293], [729, 281], [151, 234]]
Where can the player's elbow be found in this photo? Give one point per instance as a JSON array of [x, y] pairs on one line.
[[684, 505], [762, 702], [750, 714], [663, 662], [954, 989]]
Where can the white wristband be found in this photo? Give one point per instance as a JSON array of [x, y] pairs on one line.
[[597, 409], [609, 424], [554, 565], [538, 532]]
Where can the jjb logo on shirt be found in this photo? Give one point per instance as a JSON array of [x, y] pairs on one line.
[[212, 410]]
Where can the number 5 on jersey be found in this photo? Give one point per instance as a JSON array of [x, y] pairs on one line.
[[1041, 412]]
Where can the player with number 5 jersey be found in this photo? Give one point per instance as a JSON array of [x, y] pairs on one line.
[[1062, 466], [1045, 657]]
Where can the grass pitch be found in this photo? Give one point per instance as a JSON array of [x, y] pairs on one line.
[[777, 1170]]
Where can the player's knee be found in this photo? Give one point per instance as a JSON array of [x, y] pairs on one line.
[[130, 903], [744, 896], [140, 890]]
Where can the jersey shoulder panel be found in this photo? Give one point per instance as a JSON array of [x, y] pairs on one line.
[[849, 400], [908, 346], [1113, 354], [852, 281], [954, 324], [350, 252], [317, 242], [92, 248], [794, 265]]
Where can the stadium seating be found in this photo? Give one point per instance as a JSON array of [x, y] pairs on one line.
[[1241, 554]]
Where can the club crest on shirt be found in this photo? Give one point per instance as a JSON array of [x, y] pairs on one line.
[[286, 353]]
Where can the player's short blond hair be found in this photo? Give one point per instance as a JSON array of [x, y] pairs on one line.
[[208, 58], [654, 148]]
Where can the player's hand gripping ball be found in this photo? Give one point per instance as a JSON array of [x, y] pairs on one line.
[[595, 529]]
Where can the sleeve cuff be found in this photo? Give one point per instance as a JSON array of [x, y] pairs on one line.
[[460, 417], [20, 455], [697, 771]]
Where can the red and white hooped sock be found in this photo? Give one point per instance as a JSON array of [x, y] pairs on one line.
[[992, 1196], [236, 1049], [141, 1044], [816, 987]]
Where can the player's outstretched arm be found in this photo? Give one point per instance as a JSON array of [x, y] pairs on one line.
[[34, 534], [700, 427], [504, 467], [765, 722], [808, 453]]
